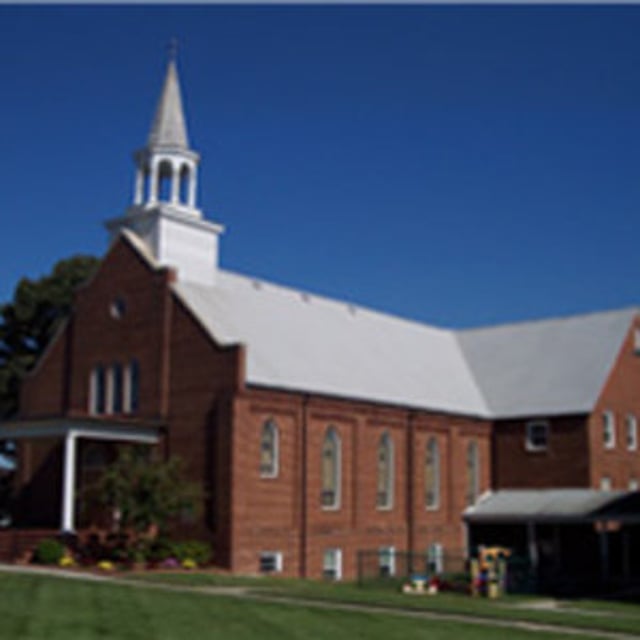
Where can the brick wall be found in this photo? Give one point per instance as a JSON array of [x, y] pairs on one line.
[[286, 514], [564, 462], [621, 396]]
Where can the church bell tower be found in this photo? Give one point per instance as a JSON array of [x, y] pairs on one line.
[[164, 212]]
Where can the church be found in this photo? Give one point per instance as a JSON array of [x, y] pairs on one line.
[[317, 428]]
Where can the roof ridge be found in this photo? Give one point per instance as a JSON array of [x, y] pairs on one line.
[[560, 318]]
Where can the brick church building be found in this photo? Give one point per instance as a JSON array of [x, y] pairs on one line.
[[317, 428]]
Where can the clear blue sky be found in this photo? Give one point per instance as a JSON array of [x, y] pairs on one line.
[[457, 165]]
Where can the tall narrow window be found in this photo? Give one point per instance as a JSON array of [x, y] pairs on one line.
[[132, 387], [384, 498], [330, 496], [632, 432], [269, 450], [432, 475], [97, 390], [608, 430], [473, 472], [117, 388]]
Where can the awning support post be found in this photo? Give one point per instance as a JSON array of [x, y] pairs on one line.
[[532, 545], [604, 551], [69, 483]]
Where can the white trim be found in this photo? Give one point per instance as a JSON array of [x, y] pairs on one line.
[[529, 444]]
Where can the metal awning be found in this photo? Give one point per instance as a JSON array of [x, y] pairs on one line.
[[554, 506]]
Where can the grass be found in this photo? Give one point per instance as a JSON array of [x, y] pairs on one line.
[[601, 615], [38, 607]]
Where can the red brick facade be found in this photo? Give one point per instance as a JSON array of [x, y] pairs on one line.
[[214, 422], [576, 455]]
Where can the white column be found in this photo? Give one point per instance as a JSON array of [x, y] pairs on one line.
[[153, 184], [69, 483], [139, 188], [175, 183], [193, 183]]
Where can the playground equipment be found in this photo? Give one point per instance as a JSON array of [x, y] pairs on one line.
[[489, 572]]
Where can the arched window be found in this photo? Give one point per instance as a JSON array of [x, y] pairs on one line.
[[473, 472], [330, 495], [432, 475], [384, 497], [269, 450]]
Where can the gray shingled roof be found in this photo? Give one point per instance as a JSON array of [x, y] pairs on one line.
[[530, 505], [303, 342], [545, 367]]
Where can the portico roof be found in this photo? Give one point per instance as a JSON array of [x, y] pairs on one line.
[[514, 506], [86, 427]]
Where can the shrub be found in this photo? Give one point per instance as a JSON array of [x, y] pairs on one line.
[[48, 551], [188, 563], [66, 561], [106, 565], [195, 550]]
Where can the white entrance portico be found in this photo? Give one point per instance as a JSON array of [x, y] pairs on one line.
[[70, 430]]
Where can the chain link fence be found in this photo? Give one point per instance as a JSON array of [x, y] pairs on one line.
[[390, 567]]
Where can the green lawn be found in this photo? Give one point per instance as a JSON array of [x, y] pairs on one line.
[[607, 616], [35, 607]]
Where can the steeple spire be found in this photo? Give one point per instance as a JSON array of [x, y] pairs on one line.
[[169, 128], [164, 213], [167, 167]]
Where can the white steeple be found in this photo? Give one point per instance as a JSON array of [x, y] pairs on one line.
[[164, 212]]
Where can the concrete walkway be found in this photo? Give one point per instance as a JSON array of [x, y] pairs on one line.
[[257, 595]]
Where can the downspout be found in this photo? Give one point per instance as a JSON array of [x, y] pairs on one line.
[[303, 489], [409, 465]]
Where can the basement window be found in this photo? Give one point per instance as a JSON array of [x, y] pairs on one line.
[[271, 562], [332, 564], [387, 561], [537, 436]]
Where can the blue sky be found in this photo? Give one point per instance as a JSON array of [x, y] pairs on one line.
[[457, 165]]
